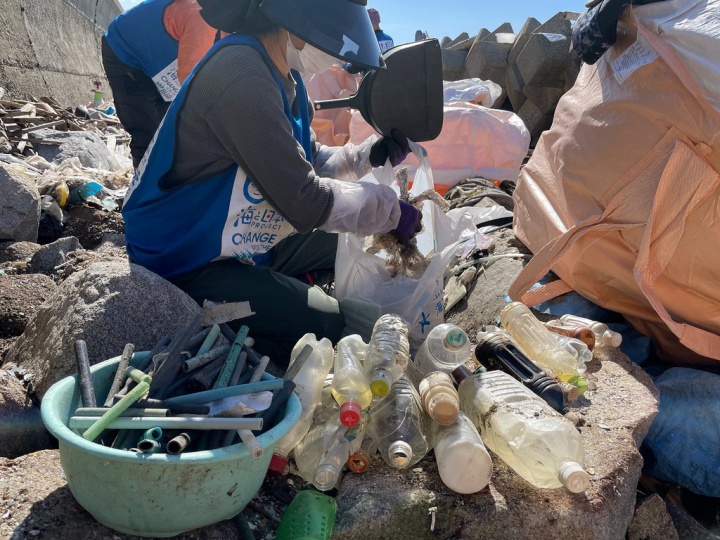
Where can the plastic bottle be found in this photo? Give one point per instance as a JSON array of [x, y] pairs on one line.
[[321, 455], [387, 354], [350, 386], [311, 515], [603, 334], [583, 333], [537, 342], [308, 386], [463, 461], [398, 426], [578, 349], [446, 347], [496, 350], [539, 444], [439, 398]]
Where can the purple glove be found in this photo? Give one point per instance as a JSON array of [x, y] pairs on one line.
[[396, 148], [409, 225]]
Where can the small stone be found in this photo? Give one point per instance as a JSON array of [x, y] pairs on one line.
[[35, 532], [573, 417]]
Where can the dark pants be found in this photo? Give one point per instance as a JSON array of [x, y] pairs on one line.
[[285, 307], [139, 105]]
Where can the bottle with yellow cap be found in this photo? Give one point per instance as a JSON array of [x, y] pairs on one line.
[[388, 353]]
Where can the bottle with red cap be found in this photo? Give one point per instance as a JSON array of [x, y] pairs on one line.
[[308, 387], [398, 425], [350, 386]]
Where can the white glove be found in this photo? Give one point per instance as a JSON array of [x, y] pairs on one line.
[[349, 163], [361, 208]]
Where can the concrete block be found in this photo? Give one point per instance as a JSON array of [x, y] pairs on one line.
[[573, 69], [453, 64], [504, 28], [521, 39], [557, 24], [514, 84], [544, 59], [445, 43], [545, 98], [487, 60], [462, 37], [535, 120], [463, 45]]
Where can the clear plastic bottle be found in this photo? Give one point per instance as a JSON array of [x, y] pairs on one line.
[[583, 333], [463, 461], [539, 444], [603, 334], [439, 398], [388, 353], [308, 386], [537, 342], [350, 386], [578, 349], [446, 347], [321, 455], [398, 426]]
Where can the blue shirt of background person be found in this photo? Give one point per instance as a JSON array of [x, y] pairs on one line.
[[384, 41]]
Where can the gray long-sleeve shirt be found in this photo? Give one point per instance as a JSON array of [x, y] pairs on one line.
[[233, 114]]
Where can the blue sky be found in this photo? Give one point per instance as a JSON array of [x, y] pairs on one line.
[[400, 18]]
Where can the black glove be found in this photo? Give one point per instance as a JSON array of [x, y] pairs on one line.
[[396, 148]]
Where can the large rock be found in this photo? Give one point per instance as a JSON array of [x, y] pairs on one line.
[[20, 298], [19, 207], [21, 428], [52, 255], [386, 503], [108, 304], [652, 521], [17, 251], [84, 145], [36, 503]]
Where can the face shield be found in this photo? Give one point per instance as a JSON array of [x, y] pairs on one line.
[[340, 28]]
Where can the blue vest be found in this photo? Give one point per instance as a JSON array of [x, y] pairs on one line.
[[172, 232], [139, 39], [384, 41]]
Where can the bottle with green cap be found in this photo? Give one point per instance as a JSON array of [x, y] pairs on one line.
[[446, 347], [310, 516], [388, 353], [350, 386]]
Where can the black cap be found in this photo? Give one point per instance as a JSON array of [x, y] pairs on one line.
[[341, 28]]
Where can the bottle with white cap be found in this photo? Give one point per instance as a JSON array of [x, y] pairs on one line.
[[398, 426], [463, 461], [388, 353], [538, 443], [446, 347], [350, 386], [603, 334]]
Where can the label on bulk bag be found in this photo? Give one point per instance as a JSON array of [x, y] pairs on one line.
[[167, 81], [637, 55]]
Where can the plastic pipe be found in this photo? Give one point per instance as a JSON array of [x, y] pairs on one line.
[[175, 408], [167, 372], [198, 339], [201, 360], [233, 356], [153, 433], [221, 393], [96, 427], [260, 369], [209, 340], [148, 446], [159, 347], [298, 364], [253, 446], [171, 422], [203, 379], [280, 397], [178, 444], [84, 377], [239, 367], [120, 373], [228, 332], [98, 411]]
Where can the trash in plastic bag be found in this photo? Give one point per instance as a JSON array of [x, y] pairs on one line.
[[419, 300], [683, 441], [476, 91]]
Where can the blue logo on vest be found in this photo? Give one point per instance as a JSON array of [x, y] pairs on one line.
[[251, 193]]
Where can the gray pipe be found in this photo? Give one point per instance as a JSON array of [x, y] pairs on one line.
[[99, 411], [84, 376], [120, 373], [178, 444], [171, 422], [203, 359]]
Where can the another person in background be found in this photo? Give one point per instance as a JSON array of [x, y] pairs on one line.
[[148, 52], [384, 41]]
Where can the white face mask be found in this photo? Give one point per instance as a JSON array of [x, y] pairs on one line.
[[309, 60]]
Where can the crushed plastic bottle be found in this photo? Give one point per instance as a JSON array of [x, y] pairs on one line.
[[398, 426], [603, 334], [446, 347], [578, 349], [496, 350], [539, 444], [439, 398], [350, 386], [321, 455], [538, 343], [308, 386], [311, 515], [387, 354], [463, 461]]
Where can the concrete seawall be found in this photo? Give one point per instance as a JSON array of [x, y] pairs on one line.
[[52, 47]]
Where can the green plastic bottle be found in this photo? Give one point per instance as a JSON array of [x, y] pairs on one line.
[[310, 516]]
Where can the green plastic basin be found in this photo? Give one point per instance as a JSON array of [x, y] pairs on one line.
[[155, 495]]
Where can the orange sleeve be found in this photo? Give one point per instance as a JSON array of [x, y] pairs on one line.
[[183, 22]]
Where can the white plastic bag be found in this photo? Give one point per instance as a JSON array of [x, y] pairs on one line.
[[418, 300]]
